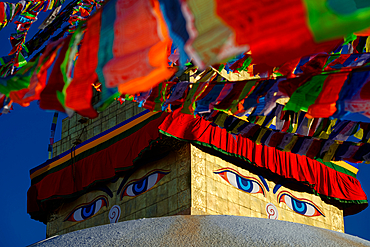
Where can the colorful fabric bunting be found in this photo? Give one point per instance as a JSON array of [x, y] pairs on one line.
[[288, 130], [291, 93], [192, 32], [38, 79], [80, 13], [8, 11]]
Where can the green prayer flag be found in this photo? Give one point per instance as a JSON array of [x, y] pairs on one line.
[[327, 23], [306, 94]]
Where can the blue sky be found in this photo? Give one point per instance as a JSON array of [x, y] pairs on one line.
[[24, 138], [24, 141]]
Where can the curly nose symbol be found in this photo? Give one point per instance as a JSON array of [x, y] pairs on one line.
[[272, 212], [114, 214]]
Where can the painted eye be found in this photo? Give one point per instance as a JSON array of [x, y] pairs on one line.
[[246, 184], [144, 184], [86, 211], [298, 205]]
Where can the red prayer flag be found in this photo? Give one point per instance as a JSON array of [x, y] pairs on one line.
[[48, 97], [276, 32], [80, 91]]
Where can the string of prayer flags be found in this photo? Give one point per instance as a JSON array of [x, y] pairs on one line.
[[26, 17], [126, 49], [324, 150], [28, 14], [38, 79], [80, 13], [44, 35], [206, 97], [334, 95], [8, 11]]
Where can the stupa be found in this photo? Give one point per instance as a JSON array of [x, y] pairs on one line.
[[130, 164]]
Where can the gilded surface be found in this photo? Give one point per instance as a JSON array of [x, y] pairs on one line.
[[191, 181], [212, 194], [169, 195]]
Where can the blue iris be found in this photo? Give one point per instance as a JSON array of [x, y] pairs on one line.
[[88, 210], [244, 184], [140, 186], [299, 207]]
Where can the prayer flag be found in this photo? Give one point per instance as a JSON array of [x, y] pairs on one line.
[[276, 31]]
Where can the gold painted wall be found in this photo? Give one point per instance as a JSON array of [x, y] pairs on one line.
[[190, 187], [212, 195], [169, 196]]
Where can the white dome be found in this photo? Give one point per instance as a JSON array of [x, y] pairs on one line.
[[208, 230]]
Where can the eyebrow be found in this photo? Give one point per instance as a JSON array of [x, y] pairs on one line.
[[283, 182], [125, 179], [105, 189], [276, 188], [264, 182]]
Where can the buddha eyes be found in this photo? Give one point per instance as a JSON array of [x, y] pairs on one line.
[[300, 206], [246, 184], [254, 186], [132, 189], [86, 211], [139, 186]]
